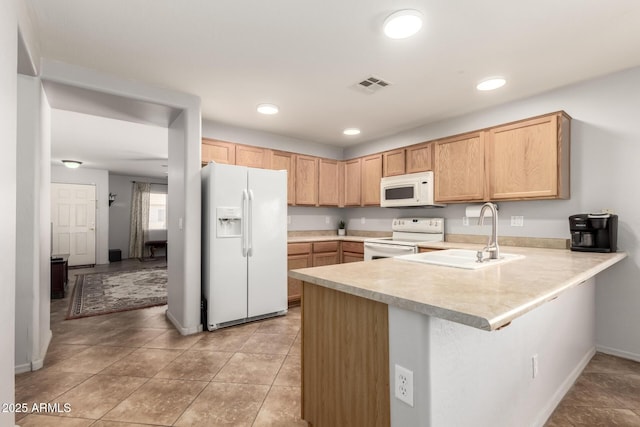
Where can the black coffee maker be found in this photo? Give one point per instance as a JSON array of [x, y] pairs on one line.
[[594, 232]]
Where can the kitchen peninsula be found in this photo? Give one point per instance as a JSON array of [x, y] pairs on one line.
[[498, 346]]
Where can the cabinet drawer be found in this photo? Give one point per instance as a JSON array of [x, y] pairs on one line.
[[325, 246], [354, 247], [298, 248]]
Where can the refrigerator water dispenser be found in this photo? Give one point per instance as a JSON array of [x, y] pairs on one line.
[[229, 222]]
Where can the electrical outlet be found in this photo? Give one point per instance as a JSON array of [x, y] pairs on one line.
[[517, 221], [465, 221], [327, 219], [362, 220], [404, 385], [608, 211], [534, 366], [289, 219]]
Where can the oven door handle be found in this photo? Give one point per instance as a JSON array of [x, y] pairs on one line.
[[387, 247]]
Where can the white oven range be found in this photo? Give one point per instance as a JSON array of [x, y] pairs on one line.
[[407, 234]]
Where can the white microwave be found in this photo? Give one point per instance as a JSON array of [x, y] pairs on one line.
[[413, 189]]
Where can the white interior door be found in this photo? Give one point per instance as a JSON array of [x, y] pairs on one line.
[[73, 217]]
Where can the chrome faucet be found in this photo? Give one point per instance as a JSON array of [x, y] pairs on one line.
[[492, 246]]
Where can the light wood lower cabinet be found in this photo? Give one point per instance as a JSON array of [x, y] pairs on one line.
[[421, 250], [352, 251], [345, 359], [326, 253], [298, 256]]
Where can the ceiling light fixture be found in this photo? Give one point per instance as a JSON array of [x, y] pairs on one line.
[[403, 24], [351, 131], [72, 164], [491, 83], [268, 109]]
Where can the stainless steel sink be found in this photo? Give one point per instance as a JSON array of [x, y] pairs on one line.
[[458, 258]]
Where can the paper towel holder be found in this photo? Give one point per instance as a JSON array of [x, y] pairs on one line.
[[473, 211]]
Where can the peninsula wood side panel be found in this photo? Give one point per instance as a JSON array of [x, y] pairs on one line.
[[345, 359]]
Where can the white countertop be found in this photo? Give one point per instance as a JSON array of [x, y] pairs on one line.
[[487, 299], [304, 239]]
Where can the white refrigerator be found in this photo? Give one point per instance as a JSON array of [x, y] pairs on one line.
[[244, 244]]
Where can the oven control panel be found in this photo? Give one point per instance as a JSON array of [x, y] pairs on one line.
[[418, 225]]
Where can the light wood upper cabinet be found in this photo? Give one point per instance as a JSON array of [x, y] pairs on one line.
[[282, 160], [254, 157], [352, 182], [306, 180], [393, 162], [529, 159], [420, 157], [459, 168], [371, 175], [328, 182], [218, 151]]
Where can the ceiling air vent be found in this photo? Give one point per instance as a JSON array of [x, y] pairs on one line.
[[371, 84]]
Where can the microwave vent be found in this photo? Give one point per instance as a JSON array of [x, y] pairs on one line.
[[371, 85]]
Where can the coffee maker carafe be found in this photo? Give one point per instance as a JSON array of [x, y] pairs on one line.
[[594, 232]]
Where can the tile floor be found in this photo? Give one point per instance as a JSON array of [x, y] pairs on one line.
[[133, 369]]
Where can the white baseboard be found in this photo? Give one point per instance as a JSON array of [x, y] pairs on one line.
[[22, 368], [180, 328], [563, 389], [619, 353], [39, 362]]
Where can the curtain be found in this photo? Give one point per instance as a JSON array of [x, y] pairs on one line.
[[139, 218]]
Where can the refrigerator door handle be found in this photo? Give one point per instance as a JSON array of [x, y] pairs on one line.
[[245, 209], [250, 225]]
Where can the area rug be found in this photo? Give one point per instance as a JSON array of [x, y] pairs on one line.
[[102, 293]]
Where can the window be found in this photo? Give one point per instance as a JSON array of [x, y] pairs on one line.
[[157, 211]]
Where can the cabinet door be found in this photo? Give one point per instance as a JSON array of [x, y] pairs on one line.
[[294, 286], [371, 175], [393, 162], [281, 160], [306, 180], [459, 168], [328, 183], [523, 159], [351, 257], [325, 258], [253, 157], [218, 151], [420, 157], [352, 182]]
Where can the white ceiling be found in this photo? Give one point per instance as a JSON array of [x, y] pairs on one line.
[[305, 55], [121, 147]]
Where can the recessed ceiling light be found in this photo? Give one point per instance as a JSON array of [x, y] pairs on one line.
[[72, 164], [491, 84], [351, 131], [268, 109], [403, 24]]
